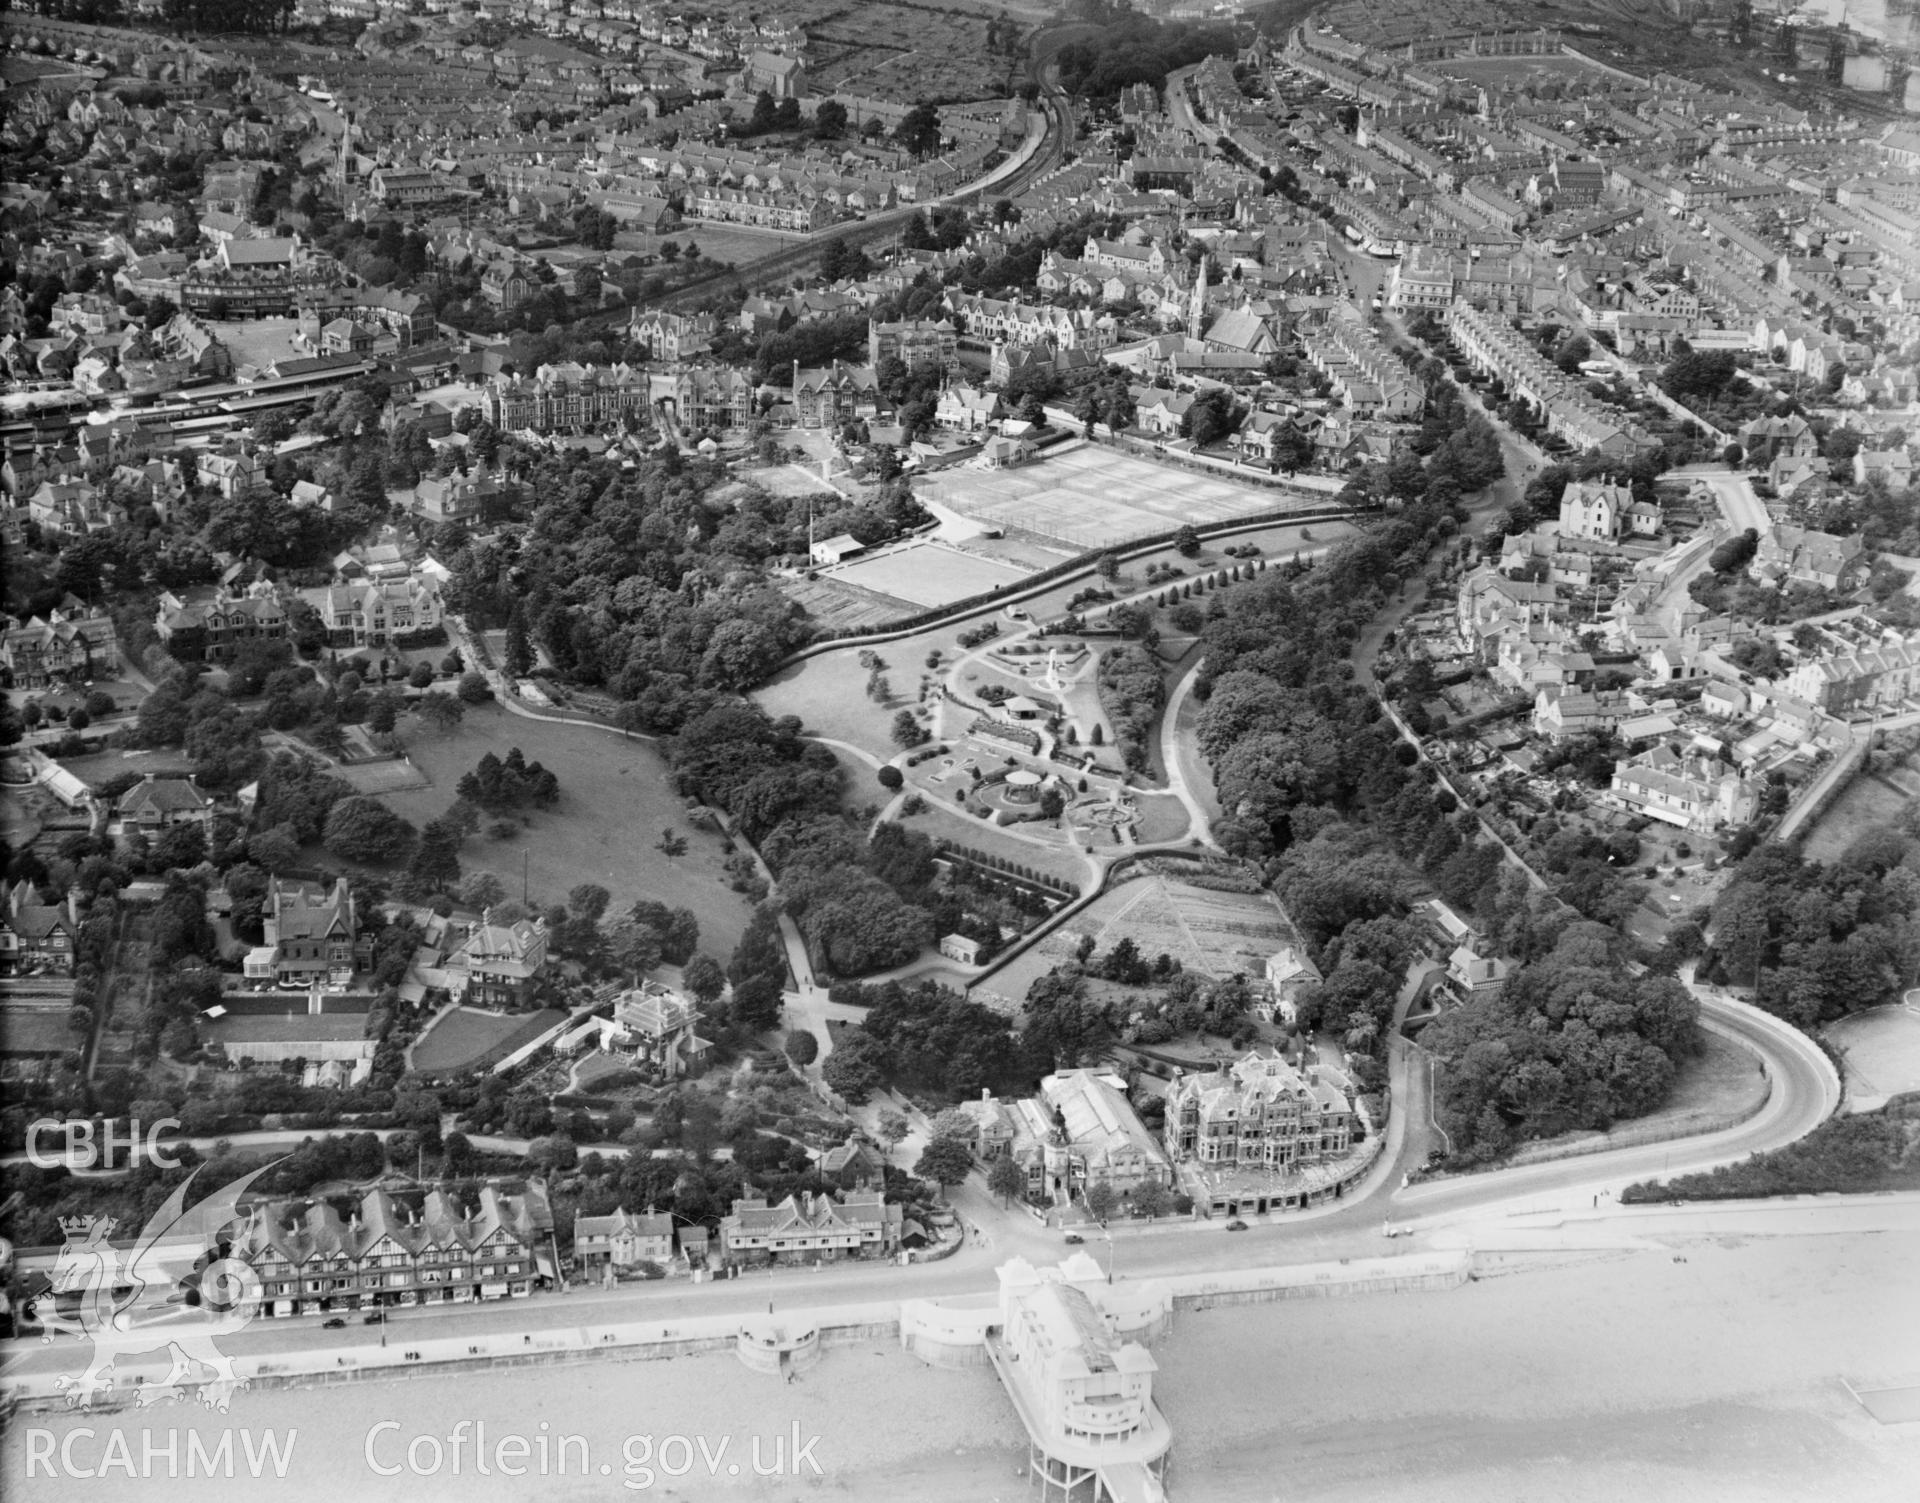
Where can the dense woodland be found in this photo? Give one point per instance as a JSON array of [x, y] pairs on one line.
[[638, 582], [1132, 48], [1819, 941]]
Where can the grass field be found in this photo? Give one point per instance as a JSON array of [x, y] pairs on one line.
[[1869, 802], [614, 801], [464, 1036], [383, 777], [928, 574], [1094, 497], [1881, 1048], [730, 242]]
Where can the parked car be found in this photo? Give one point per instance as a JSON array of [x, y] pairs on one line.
[[374, 1319], [335, 1324], [1236, 1225], [1074, 1239]]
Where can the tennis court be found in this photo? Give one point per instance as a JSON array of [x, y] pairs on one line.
[[928, 574], [1095, 497]]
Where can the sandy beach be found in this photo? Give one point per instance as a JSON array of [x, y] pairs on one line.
[[1631, 1376]]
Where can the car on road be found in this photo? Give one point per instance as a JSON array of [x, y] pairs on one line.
[[1073, 1239], [336, 1324], [374, 1319], [1236, 1225]]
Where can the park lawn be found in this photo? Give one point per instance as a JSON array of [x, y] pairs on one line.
[[1162, 817], [615, 799], [828, 690], [942, 822]]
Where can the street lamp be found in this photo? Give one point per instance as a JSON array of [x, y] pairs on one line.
[[1107, 1232]]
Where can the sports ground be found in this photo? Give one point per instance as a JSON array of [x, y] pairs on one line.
[[927, 574], [1095, 497]]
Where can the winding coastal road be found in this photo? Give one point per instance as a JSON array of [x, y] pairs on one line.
[[1805, 1092]]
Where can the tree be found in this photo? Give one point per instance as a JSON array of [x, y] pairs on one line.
[[919, 130], [1152, 1199], [1100, 1199], [853, 1069], [951, 1123], [894, 1128], [589, 901], [364, 829], [440, 710], [481, 891], [830, 120], [473, 688], [892, 778], [519, 647], [1006, 1178], [421, 677], [671, 844], [802, 1047], [1735, 553], [436, 860], [704, 978], [907, 731], [1186, 542], [946, 1161], [276, 849]]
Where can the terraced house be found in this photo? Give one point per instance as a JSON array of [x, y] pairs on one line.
[[794, 213], [399, 1250], [810, 1228], [565, 397]]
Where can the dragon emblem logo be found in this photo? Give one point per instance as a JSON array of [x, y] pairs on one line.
[[180, 1288]]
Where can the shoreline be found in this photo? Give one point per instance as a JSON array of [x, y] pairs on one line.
[[1716, 1371]]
